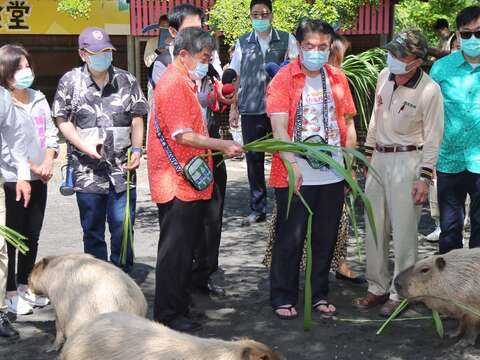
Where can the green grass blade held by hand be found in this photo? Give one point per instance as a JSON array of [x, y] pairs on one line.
[[291, 184], [127, 233], [438, 323], [14, 238], [307, 317], [397, 311]]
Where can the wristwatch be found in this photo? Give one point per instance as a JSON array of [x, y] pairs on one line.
[[137, 150]]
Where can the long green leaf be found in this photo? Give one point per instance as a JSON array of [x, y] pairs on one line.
[[14, 238], [397, 311], [127, 232], [438, 323], [307, 309]]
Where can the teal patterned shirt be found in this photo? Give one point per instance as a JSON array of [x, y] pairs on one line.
[[460, 85]]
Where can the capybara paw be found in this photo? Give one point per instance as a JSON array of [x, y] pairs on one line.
[[454, 333], [55, 347], [464, 343]]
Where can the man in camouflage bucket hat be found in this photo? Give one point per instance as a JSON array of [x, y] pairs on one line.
[[402, 144], [407, 43]]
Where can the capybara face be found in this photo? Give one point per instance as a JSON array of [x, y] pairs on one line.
[[421, 279], [257, 351], [34, 279]]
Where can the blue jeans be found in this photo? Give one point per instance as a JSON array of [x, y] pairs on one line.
[[452, 192], [95, 209]]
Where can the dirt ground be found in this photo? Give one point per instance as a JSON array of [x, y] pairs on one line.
[[245, 311]]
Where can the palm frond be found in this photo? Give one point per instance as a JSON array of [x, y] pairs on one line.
[[362, 72]]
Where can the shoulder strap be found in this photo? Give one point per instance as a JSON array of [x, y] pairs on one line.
[[297, 131], [168, 150]]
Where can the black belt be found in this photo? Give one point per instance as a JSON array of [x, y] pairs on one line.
[[397, 148]]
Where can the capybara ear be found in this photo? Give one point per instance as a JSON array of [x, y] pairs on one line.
[[45, 261], [440, 261], [249, 354], [246, 353]]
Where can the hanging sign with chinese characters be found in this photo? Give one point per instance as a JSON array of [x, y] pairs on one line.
[[42, 17]]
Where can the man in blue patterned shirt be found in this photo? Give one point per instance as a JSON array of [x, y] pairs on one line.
[[458, 166]]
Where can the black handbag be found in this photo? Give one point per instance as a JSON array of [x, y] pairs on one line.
[[196, 171]]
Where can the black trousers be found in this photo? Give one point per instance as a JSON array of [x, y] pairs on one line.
[[28, 222], [207, 250], [326, 202], [254, 127], [452, 192], [180, 222]]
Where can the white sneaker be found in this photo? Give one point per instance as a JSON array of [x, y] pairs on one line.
[[434, 236], [18, 305], [32, 299]]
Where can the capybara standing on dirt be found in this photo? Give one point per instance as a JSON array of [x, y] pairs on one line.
[[120, 336], [81, 287], [440, 281]]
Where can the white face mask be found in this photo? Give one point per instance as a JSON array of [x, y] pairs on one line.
[[396, 66]]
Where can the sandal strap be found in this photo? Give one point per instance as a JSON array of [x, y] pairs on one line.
[[321, 302], [284, 307]]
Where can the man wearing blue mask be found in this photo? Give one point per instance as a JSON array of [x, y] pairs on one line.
[[458, 168], [252, 51], [402, 141], [99, 108]]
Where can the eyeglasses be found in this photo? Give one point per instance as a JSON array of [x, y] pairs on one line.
[[468, 34], [262, 15]]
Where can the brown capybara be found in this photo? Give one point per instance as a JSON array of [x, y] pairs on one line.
[[80, 288], [441, 280], [121, 336]]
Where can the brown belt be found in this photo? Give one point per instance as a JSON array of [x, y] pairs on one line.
[[397, 148]]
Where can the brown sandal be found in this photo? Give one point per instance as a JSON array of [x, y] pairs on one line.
[[369, 301]]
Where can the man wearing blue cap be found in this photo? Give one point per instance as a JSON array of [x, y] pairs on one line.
[[99, 109]]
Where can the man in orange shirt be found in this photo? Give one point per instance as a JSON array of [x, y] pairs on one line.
[[181, 208], [308, 100]]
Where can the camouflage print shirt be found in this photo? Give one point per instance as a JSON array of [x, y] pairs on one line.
[[101, 116]]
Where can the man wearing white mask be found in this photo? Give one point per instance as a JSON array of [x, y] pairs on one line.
[[403, 139], [458, 167], [99, 108], [177, 134], [308, 100]]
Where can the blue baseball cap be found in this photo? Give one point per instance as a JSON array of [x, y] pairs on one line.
[[94, 40]]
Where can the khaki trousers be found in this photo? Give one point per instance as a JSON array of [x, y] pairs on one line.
[[3, 253], [396, 218]]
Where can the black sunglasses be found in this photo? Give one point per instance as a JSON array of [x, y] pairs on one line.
[[468, 34]]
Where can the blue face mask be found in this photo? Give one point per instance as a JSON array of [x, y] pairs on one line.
[[23, 78], [261, 25], [314, 60], [470, 47], [200, 72], [100, 62]]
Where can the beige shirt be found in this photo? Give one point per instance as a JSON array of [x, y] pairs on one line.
[[411, 114]]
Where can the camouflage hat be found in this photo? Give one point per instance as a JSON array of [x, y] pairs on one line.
[[408, 42]]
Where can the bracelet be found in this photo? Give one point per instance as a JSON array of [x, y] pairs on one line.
[[137, 150], [426, 180]]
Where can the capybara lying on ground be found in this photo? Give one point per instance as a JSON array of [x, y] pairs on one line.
[[81, 287], [120, 336], [440, 281]]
